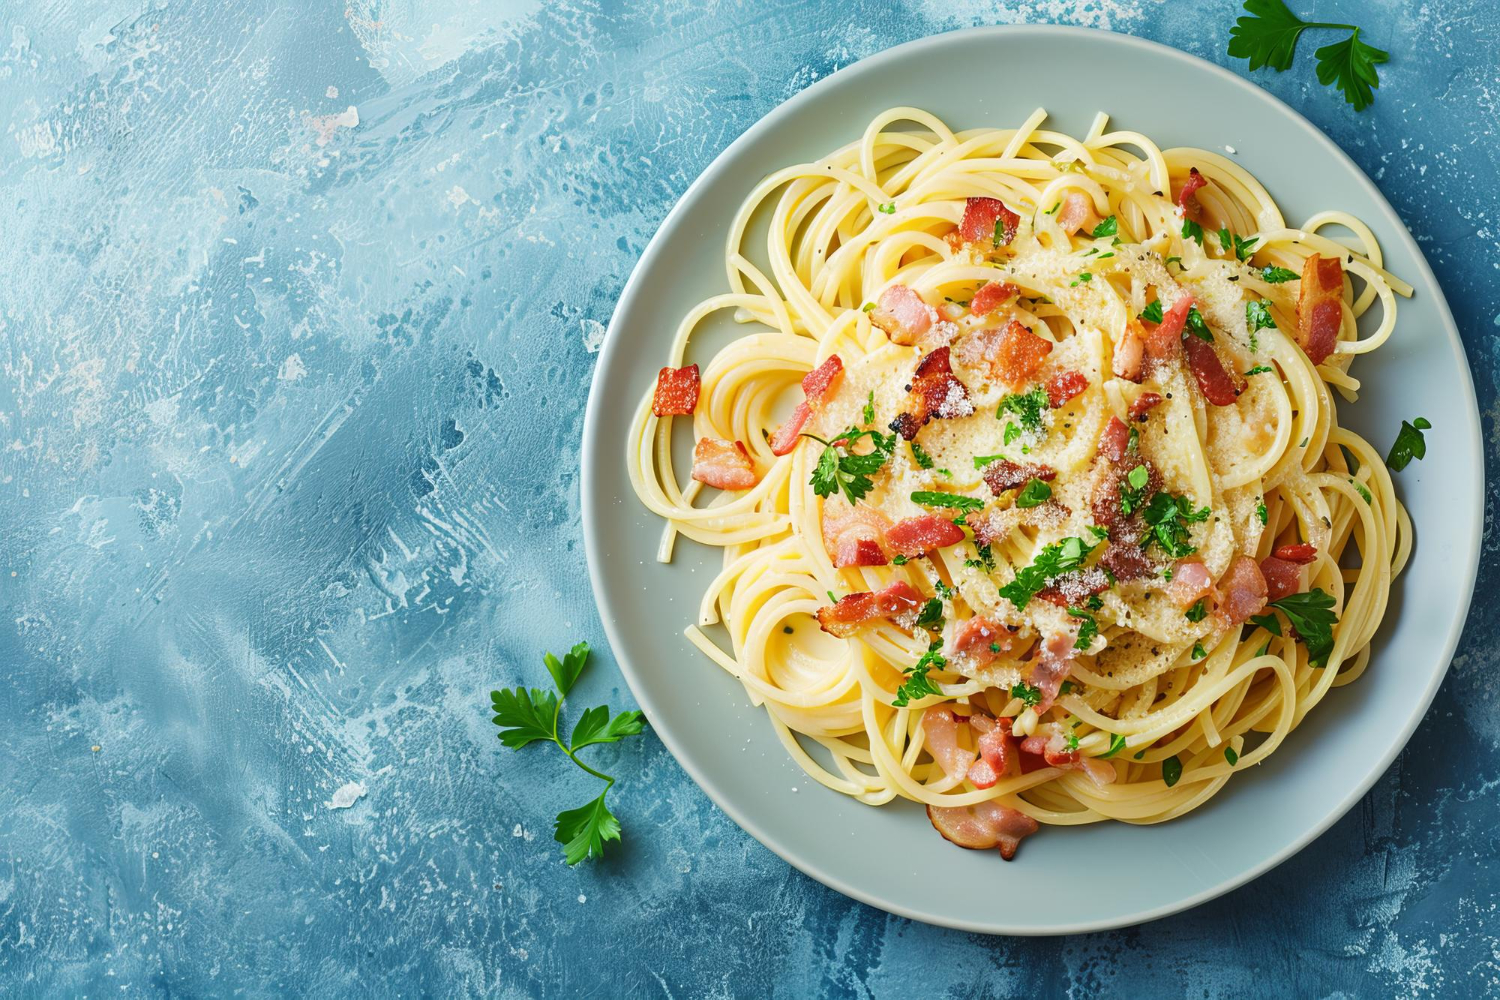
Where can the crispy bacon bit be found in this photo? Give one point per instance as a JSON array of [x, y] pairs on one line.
[[1243, 589], [970, 646], [1049, 748], [990, 295], [823, 381], [725, 465], [941, 727], [1077, 208], [1074, 587], [980, 218], [1064, 386], [1142, 405], [996, 750], [1190, 583], [982, 826], [903, 315], [789, 433], [1114, 440], [1194, 182], [1282, 578], [1130, 354], [1003, 474], [1051, 666], [853, 536], [1162, 342], [914, 536], [934, 392], [1320, 306], [1011, 355], [676, 392], [1127, 561], [1218, 386], [1301, 554], [898, 603]]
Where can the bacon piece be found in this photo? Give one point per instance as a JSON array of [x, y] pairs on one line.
[[723, 464], [1190, 583], [990, 295], [1130, 354], [996, 750], [1074, 587], [789, 433], [1003, 474], [982, 826], [1114, 440], [1218, 386], [1051, 666], [1320, 306], [1282, 578], [1142, 404], [1301, 554], [676, 391], [1162, 342], [980, 218], [1011, 355], [1194, 182], [1124, 557], [823, 381], [913, 536], [898, 603], [1064, 386], [970, 646], [1049, 748], [853, 536], [934, 391], [1128, 561], [941, 727], [1243, 589], [1077, 208], [903, 315]]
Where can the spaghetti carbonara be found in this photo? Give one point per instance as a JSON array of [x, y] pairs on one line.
[[1034, 503]]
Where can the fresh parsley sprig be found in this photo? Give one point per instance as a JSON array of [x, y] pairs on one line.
[[1052, 561], [1169, 517], [917, 685], [839, 469], [1267, 35], [529, 716], [1311, 614]]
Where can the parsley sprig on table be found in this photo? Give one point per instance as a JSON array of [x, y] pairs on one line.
[[530, 716], [1267, 35]]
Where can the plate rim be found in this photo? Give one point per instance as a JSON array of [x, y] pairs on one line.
[[593, 433]]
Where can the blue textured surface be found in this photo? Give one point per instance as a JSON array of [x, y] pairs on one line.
[[279, 505]]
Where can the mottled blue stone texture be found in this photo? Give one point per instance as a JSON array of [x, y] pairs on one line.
[[299, 304]]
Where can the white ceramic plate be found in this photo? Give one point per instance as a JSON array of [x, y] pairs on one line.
[[1065, 880]]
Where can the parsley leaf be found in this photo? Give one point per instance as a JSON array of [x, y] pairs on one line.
[[1262, 513], [984, 559], [1273, 275], [917, 685], [1153, 312], [1362, 490], [869, 413], [1088, 628], [840, 470], [1198, 651], [528, 716], [980, 461], [1197, 326], [1169, 517], [1311, 614], [1028, 407], [1230, 755], [920, 456], [1409, 444], [889, 208], [1108, 227], [1029, 695], [1259, 370], [1270, 623], [1116, 744], [931, 498], [1171, 770], [1258, 315], [1084, 277], [1133, 488], [1195, 614], [931, 615], [1052, 561], [1192, 231], [1033, 494], [1268, 37]]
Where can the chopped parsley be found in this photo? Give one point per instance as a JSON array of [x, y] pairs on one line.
[[898, 560], [1033, 494], [1052, 561], [840, 470], [1171, 770], [868, 307], [1362, 490], [1028, 407], [1028, 694], [1195, 614], [1132, 490], [946, 592], [1153, 312], [1262, 513], [980, 461], [1108, 227], [1198, 651], [1053, 209], [984, 559], [1258, 316], [1133, 443], [1260, 370], [1169, 517], [869, 413], [1197, 326], [1088, 628], [1276, 275], [931, 615], [917, 685], [1085, 277], [1116, 744], [1230, 755], [1311, 614], [1409, 444], [1011, 433], [932, 498], [1242, 248], [920, 456], [1176, 258], [1192, 231], [889, 208]]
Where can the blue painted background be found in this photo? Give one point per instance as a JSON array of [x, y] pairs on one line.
[[298, 308]]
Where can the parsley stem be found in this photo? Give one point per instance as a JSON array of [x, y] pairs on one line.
[[609, 782]]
